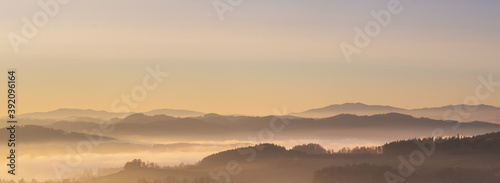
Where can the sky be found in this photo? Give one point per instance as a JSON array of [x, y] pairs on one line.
[[263, 55]]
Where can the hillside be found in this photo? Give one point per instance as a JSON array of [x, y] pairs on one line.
[[462, 113], [270, 163], [217, 127], [486, 143]]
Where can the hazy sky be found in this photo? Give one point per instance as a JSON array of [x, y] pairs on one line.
[[264, 55]]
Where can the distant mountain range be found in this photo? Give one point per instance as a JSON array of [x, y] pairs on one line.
[[174, 113], [217, 127], [213, 127], [462, 113], [93, 115]]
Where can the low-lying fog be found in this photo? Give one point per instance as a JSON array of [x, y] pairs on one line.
[[34, 161]]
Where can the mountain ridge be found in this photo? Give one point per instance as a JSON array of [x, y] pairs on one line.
[[461, 112], [73, 114]]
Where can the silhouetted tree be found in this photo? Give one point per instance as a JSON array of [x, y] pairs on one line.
[[134, 164], [310, 148]]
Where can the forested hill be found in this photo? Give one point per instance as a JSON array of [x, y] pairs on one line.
[[487, 143], [249, 154]]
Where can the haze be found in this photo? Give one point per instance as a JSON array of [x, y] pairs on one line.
[[264, 55]]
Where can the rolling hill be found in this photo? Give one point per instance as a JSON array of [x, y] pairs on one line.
[[389, 126], [462, 113]]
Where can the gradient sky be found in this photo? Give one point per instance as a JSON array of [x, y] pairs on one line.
[[264, 55]]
